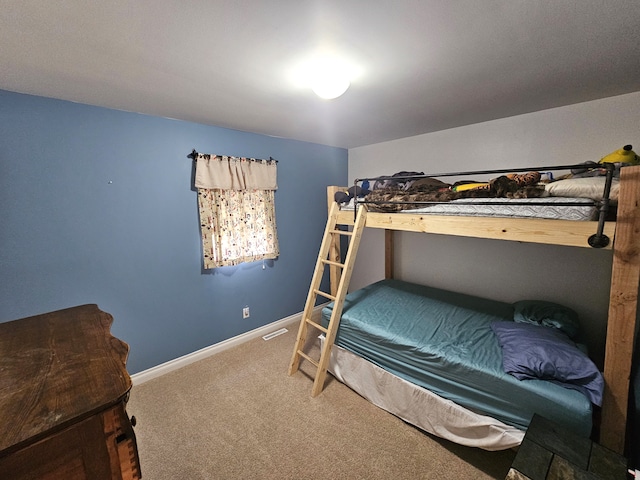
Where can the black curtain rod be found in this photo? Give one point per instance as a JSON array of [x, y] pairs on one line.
[[194, 154]]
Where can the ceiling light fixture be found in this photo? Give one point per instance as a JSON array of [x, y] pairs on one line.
[[329, 78], [328, 75], [329, 83]]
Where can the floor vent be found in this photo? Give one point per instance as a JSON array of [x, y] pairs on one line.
[[271, 335]]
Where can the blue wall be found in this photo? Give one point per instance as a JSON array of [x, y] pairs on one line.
[[97, 207]]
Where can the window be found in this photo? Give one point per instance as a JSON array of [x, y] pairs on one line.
[[236, 200]]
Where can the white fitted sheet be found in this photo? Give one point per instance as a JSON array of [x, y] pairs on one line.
[[420, 407]]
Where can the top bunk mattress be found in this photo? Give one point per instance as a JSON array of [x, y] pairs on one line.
[[442, 341], [554, 208], [566, 199]]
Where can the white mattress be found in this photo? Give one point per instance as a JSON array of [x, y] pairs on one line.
[[420, 407], [554, 208]]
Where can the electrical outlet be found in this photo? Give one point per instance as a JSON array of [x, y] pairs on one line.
[[245, 312]]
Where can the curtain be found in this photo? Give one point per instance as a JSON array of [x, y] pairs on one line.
[[237, 209]]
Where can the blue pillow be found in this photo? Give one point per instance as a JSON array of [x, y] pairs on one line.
[[548, 314], [535, 352]]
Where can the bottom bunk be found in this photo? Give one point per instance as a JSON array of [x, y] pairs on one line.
[[437, 359]]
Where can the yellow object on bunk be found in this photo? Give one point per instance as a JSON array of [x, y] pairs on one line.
[[470, 186], [622, 155]]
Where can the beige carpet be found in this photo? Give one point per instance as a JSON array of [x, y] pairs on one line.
[[238, 415]]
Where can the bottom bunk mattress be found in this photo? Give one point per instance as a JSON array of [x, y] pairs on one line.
[[442, 341], [419, 406]]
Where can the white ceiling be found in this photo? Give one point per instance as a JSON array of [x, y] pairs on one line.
[[425, 65]]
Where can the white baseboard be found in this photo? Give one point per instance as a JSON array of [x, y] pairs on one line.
[[171, 365]]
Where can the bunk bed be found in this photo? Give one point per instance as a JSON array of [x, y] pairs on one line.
[[478, 426]]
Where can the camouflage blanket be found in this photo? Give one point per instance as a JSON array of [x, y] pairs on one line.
[[436, 191]]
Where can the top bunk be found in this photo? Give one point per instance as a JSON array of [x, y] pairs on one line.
[[415, 202]]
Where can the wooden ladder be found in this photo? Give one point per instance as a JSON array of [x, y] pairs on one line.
[[338, 298]]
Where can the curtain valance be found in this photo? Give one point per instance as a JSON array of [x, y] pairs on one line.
[[235, 173]]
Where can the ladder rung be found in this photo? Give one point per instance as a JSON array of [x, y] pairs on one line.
[[326, 295], [316, 325], [342, 232], [331, 262], [308, 358]]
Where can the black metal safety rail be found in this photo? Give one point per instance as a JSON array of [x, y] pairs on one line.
[[597, 240]]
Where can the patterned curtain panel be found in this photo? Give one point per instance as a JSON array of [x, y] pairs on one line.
[[237, 209]]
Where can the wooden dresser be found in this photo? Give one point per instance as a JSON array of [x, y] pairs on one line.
[[63, 393]]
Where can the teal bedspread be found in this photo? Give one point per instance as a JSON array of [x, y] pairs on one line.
[[442, 341]]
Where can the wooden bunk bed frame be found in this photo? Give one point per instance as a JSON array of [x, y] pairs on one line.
[[625, 275]]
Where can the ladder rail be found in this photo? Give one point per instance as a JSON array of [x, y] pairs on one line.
[[341, 291], [315, 286], [316, 279], [338, 304]]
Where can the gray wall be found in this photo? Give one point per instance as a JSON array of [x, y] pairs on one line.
[[578, 278]]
